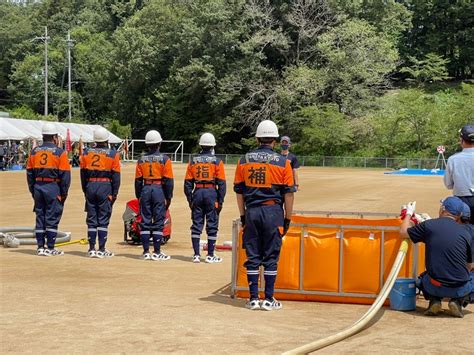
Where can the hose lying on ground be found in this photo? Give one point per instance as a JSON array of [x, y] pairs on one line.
[[14, 236], [362, 322]]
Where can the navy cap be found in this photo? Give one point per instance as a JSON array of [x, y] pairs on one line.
[[453, 205], [467, 133], [285, 138], [466, 211]]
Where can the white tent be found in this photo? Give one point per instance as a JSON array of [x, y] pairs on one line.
[[19, 129]]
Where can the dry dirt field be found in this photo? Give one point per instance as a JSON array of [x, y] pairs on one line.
[[72, 304]]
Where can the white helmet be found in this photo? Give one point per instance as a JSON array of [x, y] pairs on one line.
[[153, 137], [207, 140], [101, 135], [49, 129], [267, 129]]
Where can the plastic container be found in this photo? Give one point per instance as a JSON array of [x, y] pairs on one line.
[[403, 295]]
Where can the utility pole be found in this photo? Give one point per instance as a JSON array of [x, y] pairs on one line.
[[69, 42], [45, 39]]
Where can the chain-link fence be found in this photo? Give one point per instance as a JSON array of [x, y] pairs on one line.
[[349, 162]]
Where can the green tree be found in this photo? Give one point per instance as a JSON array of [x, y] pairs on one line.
[[356, 62], [430, 69]]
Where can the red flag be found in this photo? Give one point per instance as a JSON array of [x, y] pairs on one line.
[[68, 141]]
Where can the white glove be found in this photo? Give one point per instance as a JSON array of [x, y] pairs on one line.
[[425, 216], [411, 206]]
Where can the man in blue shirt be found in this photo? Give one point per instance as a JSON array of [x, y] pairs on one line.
[[459, 175], [448, 256]]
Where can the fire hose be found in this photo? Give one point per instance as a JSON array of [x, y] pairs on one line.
[[365, 319], [14, 236]]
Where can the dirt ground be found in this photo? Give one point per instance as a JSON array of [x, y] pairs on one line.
[[125, 305]]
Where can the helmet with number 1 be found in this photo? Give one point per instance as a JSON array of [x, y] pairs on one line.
[[49, 129], [101, 135], [207, 140], [267, 129], [153, 137]]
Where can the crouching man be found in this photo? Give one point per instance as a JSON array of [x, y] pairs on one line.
[[448, 256]]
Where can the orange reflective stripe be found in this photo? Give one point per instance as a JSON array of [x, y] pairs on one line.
[[189, 173], [220, 171], [168, 170], [116, 163], [239, 177], [64, 162], [138, 171]]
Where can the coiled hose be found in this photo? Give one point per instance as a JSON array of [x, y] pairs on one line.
[[362, 322], [26, 235]]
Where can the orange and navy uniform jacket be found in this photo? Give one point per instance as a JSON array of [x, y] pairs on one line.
[[206, 170], [49, 163], [263, 176], [102, 165], [154, 168]]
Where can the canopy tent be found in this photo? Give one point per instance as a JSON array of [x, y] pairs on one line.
[[19, 129]]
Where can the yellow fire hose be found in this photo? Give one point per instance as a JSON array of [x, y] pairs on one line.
[[82, 241], [362, 322]]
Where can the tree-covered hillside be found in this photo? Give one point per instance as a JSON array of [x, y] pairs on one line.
[[358, 77]]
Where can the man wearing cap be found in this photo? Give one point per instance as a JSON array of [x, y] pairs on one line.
[[448, 256], [265, 189], [285, 144], [100, 180], [49, 177], [459, 174]]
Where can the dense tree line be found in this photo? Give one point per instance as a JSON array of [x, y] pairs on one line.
[[340, 76]]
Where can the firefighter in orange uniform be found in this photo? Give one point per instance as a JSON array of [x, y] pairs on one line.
[[100, 180], [154, 188], [49, 177], [205, 188], [265, 187]]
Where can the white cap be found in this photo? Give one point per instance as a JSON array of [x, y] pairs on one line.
[[153, 137], [101, 135], [267, 129], [207, 140], [49, 129]]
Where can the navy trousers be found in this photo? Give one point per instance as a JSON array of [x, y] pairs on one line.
[[262, 241], [431, 291], [99, 210], [48, 209], [204, 210], [153, 212]]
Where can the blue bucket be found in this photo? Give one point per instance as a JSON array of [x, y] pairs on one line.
[[403, 295]]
